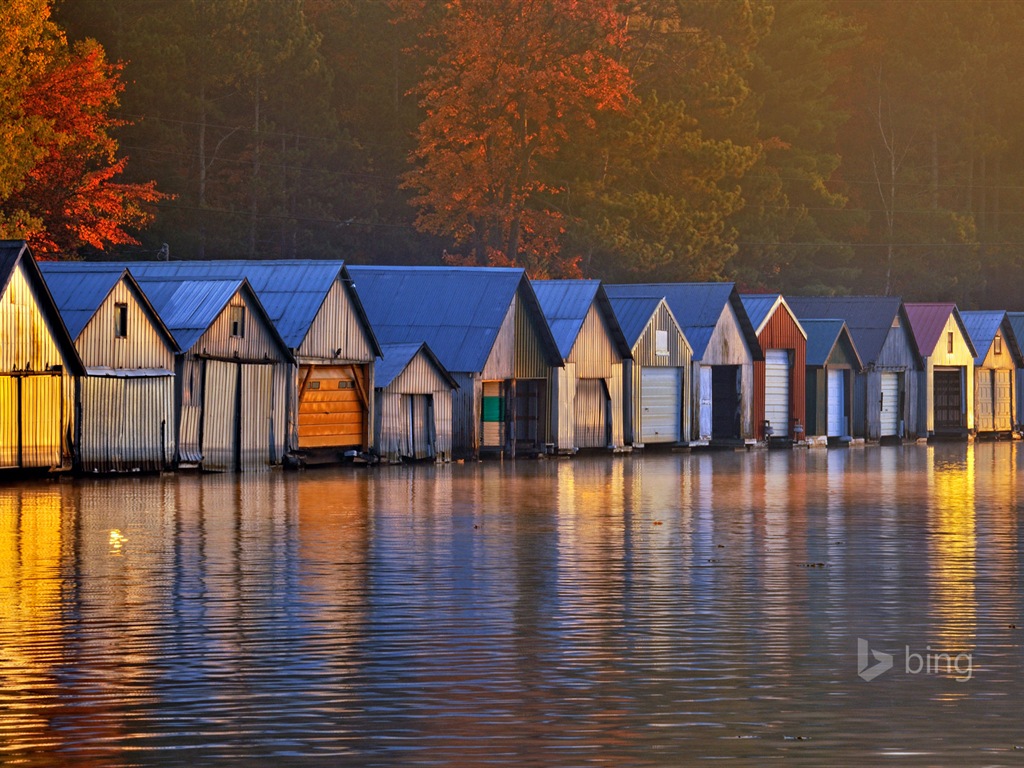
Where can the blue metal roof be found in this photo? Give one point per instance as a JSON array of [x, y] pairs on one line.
[[634, 313], [822, 337], [982, 327], [868, 318], [457, 311], [566, 304], [290, 290], [697, 308], [78, 293], [189, 307], [397, 358]]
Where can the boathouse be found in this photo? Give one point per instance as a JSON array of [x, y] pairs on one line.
[[886, 389], [946, 396], [1016, 320], [127, 393], [715, 323], [231, 373], [413, 404], [329, 398], [586, 393], [487, 330], [656, 381], [779, 379], [38, 368], [995, 368], [832, 363]]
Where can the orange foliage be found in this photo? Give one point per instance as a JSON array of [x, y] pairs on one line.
[[512, 82], [69, 197]]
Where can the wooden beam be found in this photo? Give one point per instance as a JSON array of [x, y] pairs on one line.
[[305, 381]]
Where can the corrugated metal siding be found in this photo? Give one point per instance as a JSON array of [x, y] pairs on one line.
[[27, 342], [645, 349], [143, 347], [529, 362], [189, 382], [594, 353], [220, 415], [781, 332], [563, 402], [422, 379], [41, 406], [465, 415], [257, 447], [127, 423], [590, 411], [336, 326], [9, 420], [501, 359], [615, 401]]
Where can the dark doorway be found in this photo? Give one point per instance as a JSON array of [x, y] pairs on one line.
[[948, 402], [725, 402]]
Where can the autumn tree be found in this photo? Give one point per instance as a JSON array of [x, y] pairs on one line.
[[510, 84], [59, 169]]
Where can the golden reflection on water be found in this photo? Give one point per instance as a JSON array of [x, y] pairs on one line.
[[952, 544]]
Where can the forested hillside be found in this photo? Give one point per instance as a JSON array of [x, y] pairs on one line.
[[798, 145]]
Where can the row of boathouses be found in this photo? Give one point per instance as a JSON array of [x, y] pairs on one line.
[[241, 365]]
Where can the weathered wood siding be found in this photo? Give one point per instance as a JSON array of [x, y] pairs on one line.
[[466, 415], [530, 362], [897, 356], [36, 401], [727, 346], [645, 355], [419, 379]]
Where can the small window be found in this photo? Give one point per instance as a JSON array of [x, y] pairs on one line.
[[238, 322], [661, 343], [120, 321], [949, 342], [345, 384], [314, 385], [997, 345]]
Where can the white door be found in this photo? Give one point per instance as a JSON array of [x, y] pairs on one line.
[[704, 416], [659, 405], [776, 390], [836, 403], [890, 404], [1002, 397], [984, 411]]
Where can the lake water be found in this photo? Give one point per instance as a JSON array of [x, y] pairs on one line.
[[658, 610]]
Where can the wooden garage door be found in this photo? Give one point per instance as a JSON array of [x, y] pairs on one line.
[[984, 399], [1003, 401], [332, 406], [948, 400], [659, 405]]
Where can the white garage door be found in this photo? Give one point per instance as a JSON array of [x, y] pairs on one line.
[[776, 390], [659, 405], [890, 404], [836, 404]]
